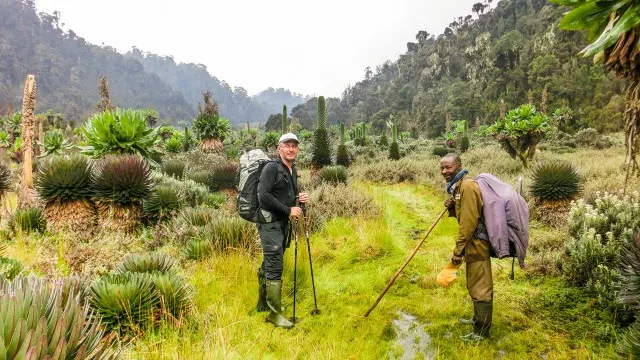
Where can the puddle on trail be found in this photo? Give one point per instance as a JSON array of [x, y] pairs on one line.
[[412, 338]]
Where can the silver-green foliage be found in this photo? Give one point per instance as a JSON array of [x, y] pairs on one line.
[[38, 320]]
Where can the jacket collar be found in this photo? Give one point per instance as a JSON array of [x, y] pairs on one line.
[[451, 186]]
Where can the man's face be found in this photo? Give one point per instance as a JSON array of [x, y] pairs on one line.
[[288, 150], [449, 168]]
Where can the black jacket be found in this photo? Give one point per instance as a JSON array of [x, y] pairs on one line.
[[277, 189]]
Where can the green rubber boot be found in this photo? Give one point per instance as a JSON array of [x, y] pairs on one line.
[[484, 316], [262, 292], [274, 290]]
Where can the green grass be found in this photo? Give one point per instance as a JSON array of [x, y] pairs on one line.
[[353, 260]]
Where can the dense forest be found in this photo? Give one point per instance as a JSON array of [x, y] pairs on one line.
[[512, 51], [68, 68]]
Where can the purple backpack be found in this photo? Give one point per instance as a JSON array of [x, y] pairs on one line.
[[506, 217]]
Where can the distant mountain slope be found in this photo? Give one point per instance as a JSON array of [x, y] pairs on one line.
[[67, 69], [275, 98]]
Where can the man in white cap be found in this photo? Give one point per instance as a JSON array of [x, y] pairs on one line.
[[278, 192]]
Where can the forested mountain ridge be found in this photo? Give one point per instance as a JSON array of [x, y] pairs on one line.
[[510, 53], [67, 71], [234, 103]]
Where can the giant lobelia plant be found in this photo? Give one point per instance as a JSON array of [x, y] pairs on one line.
[[613, 31]]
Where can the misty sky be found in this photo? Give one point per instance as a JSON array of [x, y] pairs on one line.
[[309, 47]]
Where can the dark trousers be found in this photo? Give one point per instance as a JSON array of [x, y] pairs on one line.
[[273, 237]]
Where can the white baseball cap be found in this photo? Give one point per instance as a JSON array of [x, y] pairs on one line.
[[287, 137]]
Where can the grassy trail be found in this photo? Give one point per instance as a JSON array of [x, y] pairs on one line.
[[353, 261]]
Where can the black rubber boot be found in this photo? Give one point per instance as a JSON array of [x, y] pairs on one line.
[[262, 292], [484, 315], [274, 291]]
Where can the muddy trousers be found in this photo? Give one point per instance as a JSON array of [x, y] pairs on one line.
[[273, 237], [480, 287]]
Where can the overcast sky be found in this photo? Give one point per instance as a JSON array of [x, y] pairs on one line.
[[309, 47]]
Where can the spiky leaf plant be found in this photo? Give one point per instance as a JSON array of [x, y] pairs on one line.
[[321, 146], [27, 220], [269, 140], [203, 177], [63, 182], [174, 168], [229, 232], [333, 175], [120, 132], [176, 296], [556, 181], [210, 127], [55, 143], [14, 124], [197, 249], [125, 303], [224, 177], [4, 140], [166, 131], [629, 295], [163, 203], [120, 184], [146, 263], [10, 268], [173, 145], [5, 178], [43, 322]]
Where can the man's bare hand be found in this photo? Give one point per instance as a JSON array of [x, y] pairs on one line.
[[295, 212], [449, 203], [304, 198], [456, 260]]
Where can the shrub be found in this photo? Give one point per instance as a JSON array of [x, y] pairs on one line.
[[122, 179], [125, 303], [392, 172], [394, 149], [464, 144], [174, 168], [599, 232], [556, 181], [193, 193], [215, 200], [305, 135], [202, 177], [59, 321], [10, 268], [199, 216], [146, 263], [440, 150], [173, 145], [55, 143], [329, 201], [120, 132], [27, 220], [383, 140], [163, 203], [629, 290], [333, 175], [197, 249]]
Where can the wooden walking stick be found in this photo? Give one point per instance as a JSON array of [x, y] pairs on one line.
[[406, 262]]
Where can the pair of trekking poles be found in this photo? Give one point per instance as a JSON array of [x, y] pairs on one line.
[[315, 310]]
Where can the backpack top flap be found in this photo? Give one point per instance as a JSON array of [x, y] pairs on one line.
[[506, 216]]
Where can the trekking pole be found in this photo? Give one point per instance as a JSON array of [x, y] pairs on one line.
[[315, 310], [294, 319], [406, 262]]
